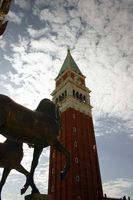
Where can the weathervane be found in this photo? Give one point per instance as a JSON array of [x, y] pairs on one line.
[[4, 9]]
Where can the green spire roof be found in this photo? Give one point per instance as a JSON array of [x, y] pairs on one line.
[[69, 63]]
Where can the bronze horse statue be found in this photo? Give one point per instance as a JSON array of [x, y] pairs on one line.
[[11, 154], [4, 9], [38, 128]]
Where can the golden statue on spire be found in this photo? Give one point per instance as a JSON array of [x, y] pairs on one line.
[[4, 9]]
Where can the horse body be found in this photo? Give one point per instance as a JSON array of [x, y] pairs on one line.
[[11, 154], [39, 128]]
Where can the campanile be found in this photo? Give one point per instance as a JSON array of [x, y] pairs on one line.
[[83, 181]]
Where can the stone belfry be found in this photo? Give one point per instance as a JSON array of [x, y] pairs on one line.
[[83, 181]]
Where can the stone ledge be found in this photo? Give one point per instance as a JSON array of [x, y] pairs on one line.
[[38, 197]]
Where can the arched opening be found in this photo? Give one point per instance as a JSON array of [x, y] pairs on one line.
[[84, 98], [65, 93], [74, 93], [56, 100], [77, 95], [60, 98], [63, 96], [81, 97]]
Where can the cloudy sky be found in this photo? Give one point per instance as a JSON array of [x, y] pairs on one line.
[[99, 34]]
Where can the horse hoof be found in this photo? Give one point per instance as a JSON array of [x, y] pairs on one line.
[[36, 191], [23, 190]]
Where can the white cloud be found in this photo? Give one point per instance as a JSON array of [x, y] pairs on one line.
[[2, 42], [16, 18], [53, 16], [131, 136], [44, 45], [31, 65], [35, 33], [23, 4], [117, 188]]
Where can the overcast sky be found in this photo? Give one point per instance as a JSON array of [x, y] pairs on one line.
[[100, 36]]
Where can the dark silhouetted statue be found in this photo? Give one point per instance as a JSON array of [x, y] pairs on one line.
[[11, 154], [4, 9], [38, 128]]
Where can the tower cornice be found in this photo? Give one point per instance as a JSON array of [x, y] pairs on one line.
[[70, 102]]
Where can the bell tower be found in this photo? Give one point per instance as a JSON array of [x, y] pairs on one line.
[[83, 181]]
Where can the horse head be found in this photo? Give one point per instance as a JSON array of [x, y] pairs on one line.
[[49, 108]]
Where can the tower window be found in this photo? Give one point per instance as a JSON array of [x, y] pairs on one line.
[[56, 100], [77, 178], [65, 93], [94, 147], [74, 93], [73, 115], [53, 155], [74, 129], [60, 98], [77, 94], [75, 144], [76, 160], [52, 188], [72, 75], [81, 98], [53, 171], [84, 98]]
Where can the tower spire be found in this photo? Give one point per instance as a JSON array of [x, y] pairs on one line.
[[69, 63]]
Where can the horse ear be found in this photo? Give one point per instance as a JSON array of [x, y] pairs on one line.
[[43, 105]]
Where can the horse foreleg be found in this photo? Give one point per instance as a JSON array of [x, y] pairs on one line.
[[36, 155], [22, 170], [58, 146], [6, 172]]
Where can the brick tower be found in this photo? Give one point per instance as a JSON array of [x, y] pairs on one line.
[[83, 181]]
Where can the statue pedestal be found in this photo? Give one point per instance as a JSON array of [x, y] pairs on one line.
[[38, 197]]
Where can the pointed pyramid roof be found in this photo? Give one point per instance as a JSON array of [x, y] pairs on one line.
[[69, 63]]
